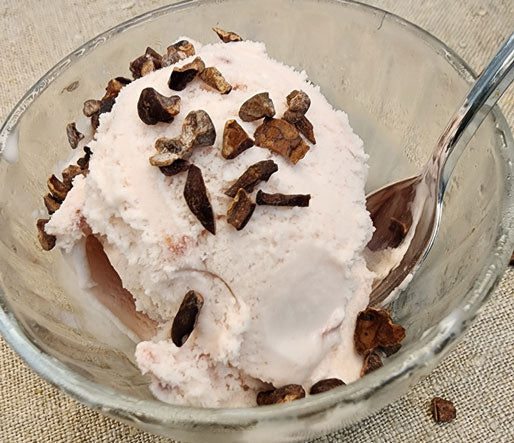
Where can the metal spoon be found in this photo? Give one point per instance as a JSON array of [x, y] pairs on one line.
[[410, 209]]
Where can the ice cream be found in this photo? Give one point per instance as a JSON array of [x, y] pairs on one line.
[[281, 295]]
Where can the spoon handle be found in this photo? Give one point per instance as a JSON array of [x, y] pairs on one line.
[[487, 90]]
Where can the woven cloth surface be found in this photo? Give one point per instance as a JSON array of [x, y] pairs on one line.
[[477, 375]]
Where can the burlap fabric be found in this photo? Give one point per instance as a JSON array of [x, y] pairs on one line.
[[477, 375]]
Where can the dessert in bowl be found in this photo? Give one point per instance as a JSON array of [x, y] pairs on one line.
[[97, 356]]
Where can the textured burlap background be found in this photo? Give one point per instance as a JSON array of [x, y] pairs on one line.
[[477, 375]]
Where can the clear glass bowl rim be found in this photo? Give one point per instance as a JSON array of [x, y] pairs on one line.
[[437, 341]]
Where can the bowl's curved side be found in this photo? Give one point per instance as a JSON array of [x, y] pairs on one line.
[[8, 128], [311, 416]]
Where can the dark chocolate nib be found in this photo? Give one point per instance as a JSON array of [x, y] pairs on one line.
[[442, 410], [257, 107], [74, 136], [186, 318], [148, 62], [278, 199], [284, 394], [197, 199], [372, 362], [240, 210], [180, 77], [260, 171], [299, 103], [374, 328], [227, 36], [153, 107], [281, 137], [235, 140], [47, 241], [325, 385]]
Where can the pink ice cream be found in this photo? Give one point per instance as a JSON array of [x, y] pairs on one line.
[[281, 295]]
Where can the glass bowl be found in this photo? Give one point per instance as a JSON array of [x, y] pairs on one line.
[[398, 84]]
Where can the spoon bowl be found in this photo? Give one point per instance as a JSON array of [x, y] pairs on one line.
[[406, 216], [407, 213]]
